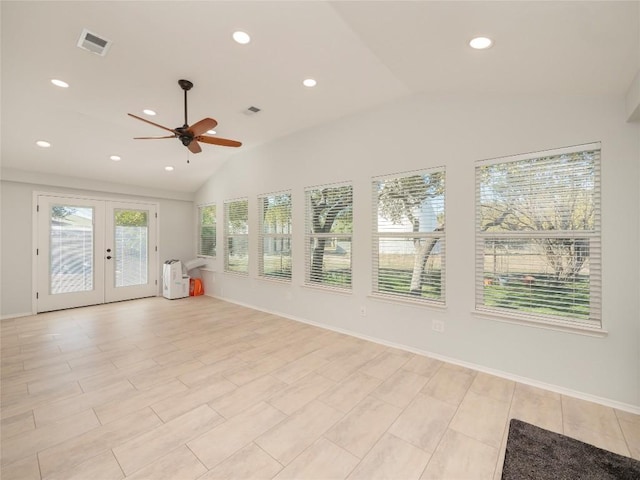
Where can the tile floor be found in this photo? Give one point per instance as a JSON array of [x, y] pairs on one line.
[[202, 389]]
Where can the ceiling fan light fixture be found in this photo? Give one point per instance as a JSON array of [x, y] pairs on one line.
[[169, 168], [480, 43], [59, 83], [309, 82], [211, 132], [241, 37], [148, 111], [43, 144]]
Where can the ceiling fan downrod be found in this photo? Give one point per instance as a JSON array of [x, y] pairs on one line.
[[186, 85]]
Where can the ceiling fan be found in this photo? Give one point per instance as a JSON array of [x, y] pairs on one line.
[[190, 135]]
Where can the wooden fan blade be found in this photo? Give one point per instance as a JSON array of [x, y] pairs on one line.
[[225, 142], [154, 124], [194, 147], [153, 138], [202, 126]]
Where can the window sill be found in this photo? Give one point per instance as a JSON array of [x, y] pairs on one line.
[[328, 289], [407, 301], [280, 281], [541, 323]]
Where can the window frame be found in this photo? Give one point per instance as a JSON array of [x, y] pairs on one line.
[[327, 236], [591, 325], [282, 237], [438, 236], [230, 236], [215, 230]]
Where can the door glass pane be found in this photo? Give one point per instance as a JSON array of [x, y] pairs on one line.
[[131, 247], [71, 249]]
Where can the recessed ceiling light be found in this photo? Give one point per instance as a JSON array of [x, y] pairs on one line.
[[309, 82], [115, 158], [59, 83], [211, 132], [241, 37], [169, 168], [43, 144], [149, 112], [480, 43]]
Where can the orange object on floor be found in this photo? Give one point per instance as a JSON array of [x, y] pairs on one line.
[[195, 287]]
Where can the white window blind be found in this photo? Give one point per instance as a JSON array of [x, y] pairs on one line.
[[409, 235], [207, 230], [236, 236], [329, 228], [275, 236], [538, 251]]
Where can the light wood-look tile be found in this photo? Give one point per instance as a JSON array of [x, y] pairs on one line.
[[361, 428], [391, 458], [83, 447], [103, 466], [493, 387], [424, 422], [221, 442], [400, 388], [462, 458], [34, 441], [247, 395], [482, 418], [24, 469], [153, 445], [351, 391], [449, 384], [293, 435], [118, 408], [631, 432], [534, 406], [384, 365], [198, 388], [248, 463], [323, 460], [300, 393], [184, 401], [180, 463]]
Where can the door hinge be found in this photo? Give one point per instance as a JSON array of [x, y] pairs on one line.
[[37, 251], [156, 215], [156, 282], [37, 295], [156, 248], [37, 208]]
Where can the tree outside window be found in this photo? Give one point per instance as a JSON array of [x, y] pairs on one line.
[[409, 238], [538, 228], [329, 232]]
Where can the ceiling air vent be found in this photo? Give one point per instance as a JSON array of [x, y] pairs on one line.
[[93, 43], [251, 111]]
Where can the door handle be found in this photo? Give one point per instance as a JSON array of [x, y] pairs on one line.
[[108, 250], [108, 257]]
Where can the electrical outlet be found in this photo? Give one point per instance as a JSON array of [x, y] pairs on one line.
[[363, 311], [437, 326]]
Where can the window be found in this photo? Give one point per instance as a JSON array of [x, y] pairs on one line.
[[236, 233], [409, 236], [207, 231], [538, 236], [329, 226], [275, 236]]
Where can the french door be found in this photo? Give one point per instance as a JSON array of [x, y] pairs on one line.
[[94, 251]]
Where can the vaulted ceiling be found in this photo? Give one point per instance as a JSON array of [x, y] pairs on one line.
[[361, 53]]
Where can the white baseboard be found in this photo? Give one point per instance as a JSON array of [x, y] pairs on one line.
[[15, 315], [635, 409]]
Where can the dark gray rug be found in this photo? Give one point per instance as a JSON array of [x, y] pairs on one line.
[[537, 454]]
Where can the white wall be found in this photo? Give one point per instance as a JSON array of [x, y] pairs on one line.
[[176, 237], [455, 131]]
